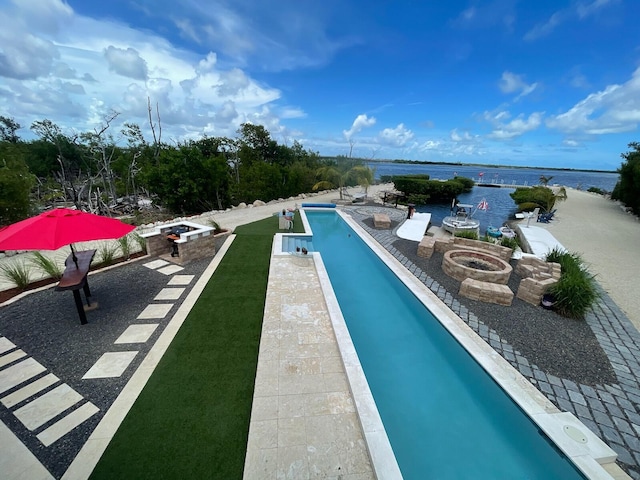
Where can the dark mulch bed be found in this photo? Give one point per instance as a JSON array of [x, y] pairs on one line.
[[557, 345]]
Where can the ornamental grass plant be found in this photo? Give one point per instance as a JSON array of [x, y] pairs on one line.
[[47, 265], [18, 273], [576, 291]]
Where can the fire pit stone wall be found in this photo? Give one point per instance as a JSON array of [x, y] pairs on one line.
[[452, 265]]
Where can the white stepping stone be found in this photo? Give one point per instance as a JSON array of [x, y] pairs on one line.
[[169, 294], [67, 423], [170, 270], [29, 390], [47, 406], [6, 344], [181, 280], [11, 357], [21, 372], [156, 264], [17, 461], [110, 364], [158, 310], [137, 333]]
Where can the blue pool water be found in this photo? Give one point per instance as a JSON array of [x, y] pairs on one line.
[[445, 417]]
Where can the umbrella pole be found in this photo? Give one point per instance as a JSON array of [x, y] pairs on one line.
[[73, 255]]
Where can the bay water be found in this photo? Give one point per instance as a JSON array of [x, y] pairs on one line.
[[501, 207]]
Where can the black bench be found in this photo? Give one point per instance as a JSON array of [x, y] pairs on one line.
[[75, 277]]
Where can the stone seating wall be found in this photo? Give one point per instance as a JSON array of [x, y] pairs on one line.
[[537, 276], [426, 246], [486, 292], [450, 243]]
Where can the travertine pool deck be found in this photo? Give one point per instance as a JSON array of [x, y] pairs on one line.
[[304, 422]]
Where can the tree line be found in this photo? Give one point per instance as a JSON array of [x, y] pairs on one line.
[[627, 190], [106, 172]]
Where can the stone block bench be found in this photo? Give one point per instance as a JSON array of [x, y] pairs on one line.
[[381, 220], [486, 292], [426, 246], [537, 276]]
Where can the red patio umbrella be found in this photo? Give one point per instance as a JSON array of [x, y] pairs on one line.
[[56, 228]]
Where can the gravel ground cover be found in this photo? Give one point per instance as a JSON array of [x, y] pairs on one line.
[[46, 326], [561, 346]]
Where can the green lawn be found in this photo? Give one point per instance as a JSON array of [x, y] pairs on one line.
[[192, 418]]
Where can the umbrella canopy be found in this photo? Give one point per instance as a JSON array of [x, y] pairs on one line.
[[56, 228]]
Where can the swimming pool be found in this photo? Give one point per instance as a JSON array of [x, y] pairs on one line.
[[444, 415]]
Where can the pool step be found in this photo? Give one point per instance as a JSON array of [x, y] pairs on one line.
[[291, 243]]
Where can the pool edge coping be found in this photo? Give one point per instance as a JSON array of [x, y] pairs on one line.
[[589, 457]]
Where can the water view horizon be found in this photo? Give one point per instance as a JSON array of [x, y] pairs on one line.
[[501, 206]]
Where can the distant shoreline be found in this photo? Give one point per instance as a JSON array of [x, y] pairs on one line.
[[484, 165]]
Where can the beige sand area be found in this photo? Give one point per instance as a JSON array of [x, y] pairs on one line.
[[607, 238]]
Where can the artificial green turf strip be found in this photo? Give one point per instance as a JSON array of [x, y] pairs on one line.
[[192, 418]]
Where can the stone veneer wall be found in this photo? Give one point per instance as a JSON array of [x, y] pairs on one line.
[[203, 246], [196, 245]]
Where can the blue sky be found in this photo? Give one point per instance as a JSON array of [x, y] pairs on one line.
[[538, 83]]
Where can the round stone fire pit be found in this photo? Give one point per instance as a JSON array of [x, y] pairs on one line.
[[462, 264]]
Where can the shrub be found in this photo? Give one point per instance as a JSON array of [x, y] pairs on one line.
[[509, 242], [576, 291], [470, 234], [17, 273], [539, 196], [597, 190], [47, 265], [420, 189], [417, 199]]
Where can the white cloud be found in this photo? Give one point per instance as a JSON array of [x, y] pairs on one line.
[[395, 137], [74, 76], [615, 109], [578, 11], [274, 36], [127, 63], [587, 9], [361, 121], [464, 137], [429, 145], [496, 12], [510, 83], [516, 127]]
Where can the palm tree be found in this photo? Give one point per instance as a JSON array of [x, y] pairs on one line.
[[330, 177], [545, 180], [334, 177]]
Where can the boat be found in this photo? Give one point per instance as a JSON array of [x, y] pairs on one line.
[[461, 220], [507, 231], [493, 232]]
